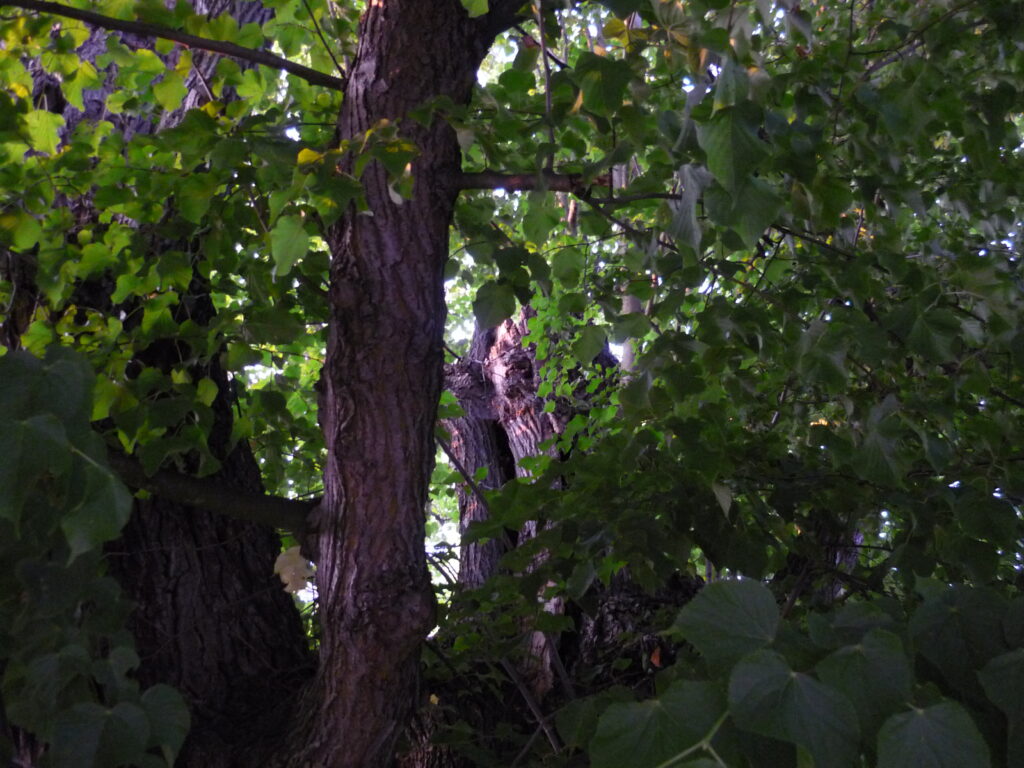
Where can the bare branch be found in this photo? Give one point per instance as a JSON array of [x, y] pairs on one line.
[[212, 495], [549, 164], [464, 472], [189, 41], [522, 182]]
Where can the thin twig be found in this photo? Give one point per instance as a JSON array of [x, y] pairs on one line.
[[549, 164], [811, 239], [526, 747], [532, 704], [1007, 397], [639, 196], [915, 40], [465, 474], [563, 673], [323, 40], [562, 65]]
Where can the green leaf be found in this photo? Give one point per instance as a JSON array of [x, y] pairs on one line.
[[475, 7], [649, 733], [959, 630], [749, 209], [603, 81], [729, 619], [941, 736], [194, 194], [76, 736], [541, 217], [91, 736], [494, 303], [41, 129], [567, 265], [589, 343], [168, 716], [731, 86], [577, 720], [1003, 680], [732, 146], [61, 385], [769, 698], [206, 391], [22, 229], [170, 92], [99, 513], [874, 674], [288, 243], [31, 449]]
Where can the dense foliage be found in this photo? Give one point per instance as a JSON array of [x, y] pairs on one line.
[[802, 217]]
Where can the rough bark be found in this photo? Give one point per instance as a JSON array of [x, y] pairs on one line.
[[478, 441], [511, 369], [380, 386]]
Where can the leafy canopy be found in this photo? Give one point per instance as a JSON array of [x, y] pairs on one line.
[[815, 208]]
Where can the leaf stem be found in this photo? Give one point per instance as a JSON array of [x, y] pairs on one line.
[[703, 745]]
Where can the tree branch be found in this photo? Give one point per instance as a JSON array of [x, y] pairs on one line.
[[548, 54], [212, 495], [190, 41], [522, 182], [464, 472]]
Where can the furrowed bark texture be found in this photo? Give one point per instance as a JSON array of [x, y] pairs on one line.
[[478, 440], [380, 386], [505, 422]]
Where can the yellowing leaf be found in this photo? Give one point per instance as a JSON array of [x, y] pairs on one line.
[[20, 229], [307, 156]]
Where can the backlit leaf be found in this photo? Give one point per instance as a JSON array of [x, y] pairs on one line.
[[288, 243]]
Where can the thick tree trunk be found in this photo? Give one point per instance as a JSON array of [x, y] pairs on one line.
[[380, 386]]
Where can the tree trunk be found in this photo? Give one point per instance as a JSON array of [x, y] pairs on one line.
[[380, 386], [478, 440], [496, 383]]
